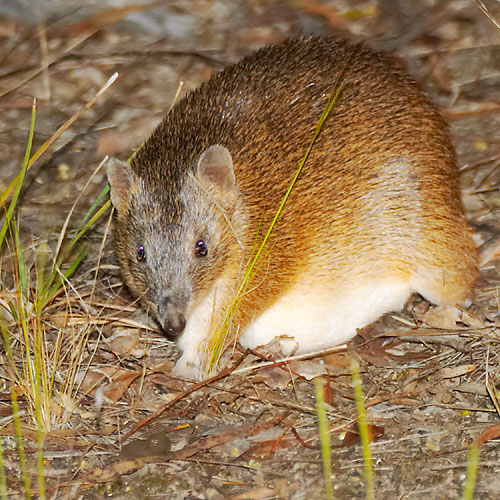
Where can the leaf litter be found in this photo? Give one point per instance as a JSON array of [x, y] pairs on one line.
[[132, 430]]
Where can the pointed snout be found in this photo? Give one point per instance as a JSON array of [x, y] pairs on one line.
[[170, 317]]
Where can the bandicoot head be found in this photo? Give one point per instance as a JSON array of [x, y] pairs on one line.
[[174, 236]]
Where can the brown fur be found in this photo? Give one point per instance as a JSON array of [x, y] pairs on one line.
[[378, 196]]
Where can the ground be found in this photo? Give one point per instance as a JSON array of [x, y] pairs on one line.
[[251, 433]]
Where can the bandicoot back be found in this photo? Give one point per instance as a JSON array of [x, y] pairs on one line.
[[375, 214]]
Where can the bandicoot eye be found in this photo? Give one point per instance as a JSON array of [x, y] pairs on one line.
[[201, 249], [141, 253]]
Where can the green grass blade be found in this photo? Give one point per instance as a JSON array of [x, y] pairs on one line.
[[3, 481], [13, 311], [49, 294], [217, 341], [52, 284], [41, 266], [11, 365], [19, 439], [89, 224], [20, 177], [364, 431], [331, 101], [324, 437], [21, 268], [470, 479], [39, 388], [40, 435], [96, 203], [23, 296]]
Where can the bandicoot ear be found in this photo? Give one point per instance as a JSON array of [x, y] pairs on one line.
[[122, 183], [215, 167]]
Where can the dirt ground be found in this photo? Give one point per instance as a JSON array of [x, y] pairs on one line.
[[251, 434]]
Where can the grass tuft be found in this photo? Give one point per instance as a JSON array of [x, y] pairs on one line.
[[3, 480], [324, 437], [19, 440], [364, 431], [33, 361], [472, 465]]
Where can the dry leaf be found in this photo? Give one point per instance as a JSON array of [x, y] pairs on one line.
[[124, 341], [116, 469], [277, 377], [456, 371], [351, 437], [118, 380], [120, 384], [339, 361], [281, 489], [154, 444], [309, 369], [492, 432]]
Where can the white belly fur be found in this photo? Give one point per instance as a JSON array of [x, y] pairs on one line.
[[194, 340], [315, 320], [309, 318]]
